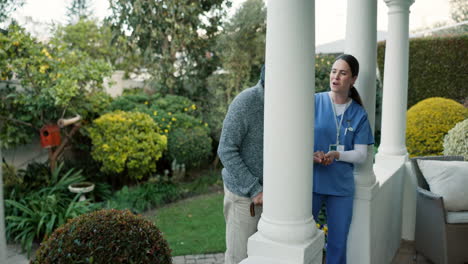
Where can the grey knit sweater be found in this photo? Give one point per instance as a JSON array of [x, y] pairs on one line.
[[241, 143]]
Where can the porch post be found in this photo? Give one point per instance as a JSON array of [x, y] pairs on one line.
[[3, 252], [287, 231], [392, 150], [361, 42], [395, 87]]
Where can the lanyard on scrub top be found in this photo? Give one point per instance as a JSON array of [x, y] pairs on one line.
[[338, 124]]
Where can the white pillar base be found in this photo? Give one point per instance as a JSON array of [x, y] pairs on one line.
[[264, 251], [360, 234]]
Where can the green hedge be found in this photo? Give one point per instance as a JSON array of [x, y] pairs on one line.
[[437, 67]]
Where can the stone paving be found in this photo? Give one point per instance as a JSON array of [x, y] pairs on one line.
[[14, 255], [200, 259], [405, 255]]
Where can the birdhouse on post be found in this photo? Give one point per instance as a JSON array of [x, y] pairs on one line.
[[50, 136]]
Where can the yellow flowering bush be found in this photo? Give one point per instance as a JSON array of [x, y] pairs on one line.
[[427, 123], [127, 141], [456, 140]]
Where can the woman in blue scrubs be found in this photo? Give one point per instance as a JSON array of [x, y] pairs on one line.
[[342, 134]]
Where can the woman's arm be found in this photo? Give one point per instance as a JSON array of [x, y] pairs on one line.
[[357, 155]]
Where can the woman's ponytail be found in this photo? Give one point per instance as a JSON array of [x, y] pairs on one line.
[[353, 93]]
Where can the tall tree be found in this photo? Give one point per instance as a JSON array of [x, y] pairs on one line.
[[8, 6], [241, 47], [241, 50], [78, 10], [459, 10], [174, 39], [56, 82], [90, 37]]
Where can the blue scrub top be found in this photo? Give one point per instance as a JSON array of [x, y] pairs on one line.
[[337, 178]]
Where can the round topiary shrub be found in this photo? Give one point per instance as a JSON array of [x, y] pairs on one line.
[[456, 140], [105, 236], [127, 141], [427, 123]]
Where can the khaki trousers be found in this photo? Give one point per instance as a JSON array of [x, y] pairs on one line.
[[240, 225]]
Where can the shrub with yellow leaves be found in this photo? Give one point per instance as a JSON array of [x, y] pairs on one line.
[[427, 123], [127, 141]]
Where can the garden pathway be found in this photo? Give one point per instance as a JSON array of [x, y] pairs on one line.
[[405, 255]]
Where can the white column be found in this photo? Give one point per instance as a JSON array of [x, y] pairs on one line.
[[361, 42], [392, 150], [395, 87], [3, 252], [287, 231]]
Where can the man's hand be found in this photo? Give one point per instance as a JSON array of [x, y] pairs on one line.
[[258, 200]]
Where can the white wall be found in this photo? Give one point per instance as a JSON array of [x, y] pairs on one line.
[[117, 83], [20, 156], [387, 222]]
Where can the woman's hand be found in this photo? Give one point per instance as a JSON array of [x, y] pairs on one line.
[[330, 157], [319, 156]]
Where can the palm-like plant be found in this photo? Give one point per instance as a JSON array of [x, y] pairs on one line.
[[38, 213]]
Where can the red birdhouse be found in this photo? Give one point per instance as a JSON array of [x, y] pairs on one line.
[[50, 136]]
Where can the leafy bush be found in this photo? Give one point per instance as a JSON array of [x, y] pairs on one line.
[[323, 64], [189, 146], [127, 141], [456, 140], [176, 104], [427, 123], [178, 118], [144, 196], [93, 238], [95, 104], [35, 176], [10, 176], [32, 215], [189, 140], [130, 101]]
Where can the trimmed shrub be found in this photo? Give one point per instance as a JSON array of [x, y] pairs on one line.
[[456, 140], [427, 123], [105, 236], [127, 141], [436, 67]]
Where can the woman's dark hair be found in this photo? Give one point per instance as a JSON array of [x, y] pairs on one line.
[[354, 66]]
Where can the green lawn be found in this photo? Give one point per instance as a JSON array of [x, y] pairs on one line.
[[194, 226]]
